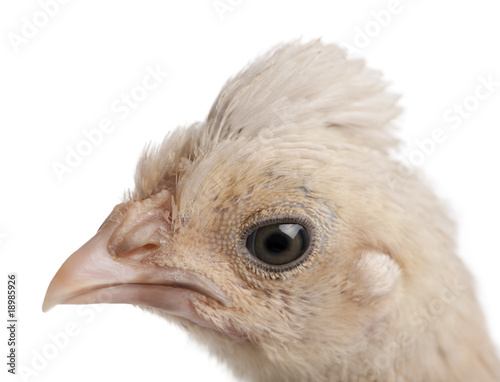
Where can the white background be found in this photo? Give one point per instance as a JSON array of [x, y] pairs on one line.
[[65, 78]]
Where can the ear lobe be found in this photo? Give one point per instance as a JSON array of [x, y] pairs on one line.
[[372, 277]]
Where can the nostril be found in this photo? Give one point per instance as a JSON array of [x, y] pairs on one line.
[[141, 239], [142, 230], [149, 247], [127, 251]]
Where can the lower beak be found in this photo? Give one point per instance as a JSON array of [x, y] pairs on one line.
[[92, 275]]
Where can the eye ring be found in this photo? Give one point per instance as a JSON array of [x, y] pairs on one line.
[[287, 242]]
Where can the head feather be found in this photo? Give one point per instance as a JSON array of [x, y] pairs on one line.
[[292, 88]]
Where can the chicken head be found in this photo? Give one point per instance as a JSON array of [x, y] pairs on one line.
[[282, 233]]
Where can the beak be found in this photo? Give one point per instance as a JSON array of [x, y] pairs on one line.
[[116, 266]]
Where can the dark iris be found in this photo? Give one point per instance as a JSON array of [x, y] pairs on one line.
[[278, 244]]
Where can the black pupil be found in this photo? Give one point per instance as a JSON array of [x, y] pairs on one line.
[[278, 244]]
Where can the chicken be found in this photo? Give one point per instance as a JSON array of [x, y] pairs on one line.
[[274, 232]]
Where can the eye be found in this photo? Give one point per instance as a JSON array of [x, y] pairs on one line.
[[278, 244]]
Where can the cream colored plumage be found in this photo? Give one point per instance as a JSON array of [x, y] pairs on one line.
[[300, 138]]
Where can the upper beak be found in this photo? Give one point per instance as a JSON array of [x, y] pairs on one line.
[[116, 266]]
